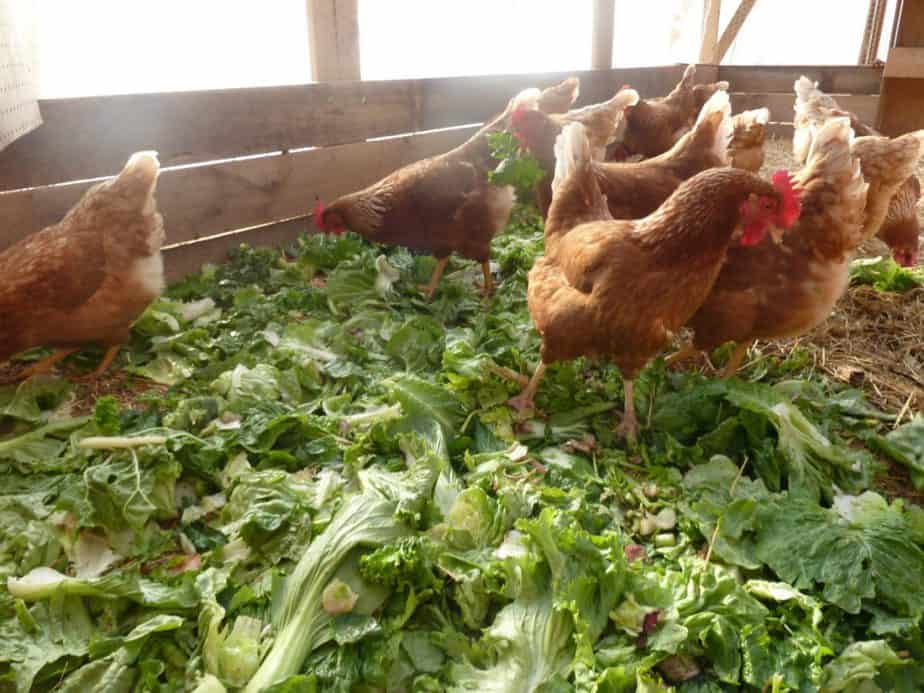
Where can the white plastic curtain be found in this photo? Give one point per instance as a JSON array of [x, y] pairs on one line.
[[19, 111]]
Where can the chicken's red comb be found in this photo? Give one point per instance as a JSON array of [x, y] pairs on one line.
[[319, 215], [791, 198], [518, 114]]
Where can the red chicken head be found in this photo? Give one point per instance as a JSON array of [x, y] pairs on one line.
[[761, 213], [525, 123], [328, 220]]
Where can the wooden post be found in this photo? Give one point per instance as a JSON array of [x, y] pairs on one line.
[[707, 51], [734, 26], [333, 28], [602, 44], [872, 32], [901, 105]]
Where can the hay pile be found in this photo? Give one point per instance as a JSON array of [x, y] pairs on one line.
[[873, 340]]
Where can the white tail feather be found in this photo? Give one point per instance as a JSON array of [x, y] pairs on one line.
[[723, 85], [719, 102], [761, 116], [830, 157], [143, 162], [572, 150], [804, 87], [528, 99], [626, 97]]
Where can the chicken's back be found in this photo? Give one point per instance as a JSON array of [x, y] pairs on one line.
[[776, 290], [654, 125], [634, 190], [88, 277]]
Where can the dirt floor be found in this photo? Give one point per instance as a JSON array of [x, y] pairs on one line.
[[873, 340]]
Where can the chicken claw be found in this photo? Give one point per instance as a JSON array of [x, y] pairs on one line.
[[108, 358], [628, 427], [46, 364], [685, 352], [430, 288], [525, 400], [488, 288], [509, 374], [734, 361]]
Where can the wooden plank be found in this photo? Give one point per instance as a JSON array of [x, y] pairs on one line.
[[910, 27], [93, 137], [183, 260], [902, 107], [452, 102], [333, 28], [841, 79], [603, 28], [201, 201], [711, 11], [781, 105], [706, 74], [905, 61], [783, 131], [734, 26]]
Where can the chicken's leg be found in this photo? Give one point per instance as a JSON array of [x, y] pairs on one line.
[[430, 288], [488, 287], [524, 400], [734, 361], [628, 428], [46, 364], [685, 352], [108, 358]]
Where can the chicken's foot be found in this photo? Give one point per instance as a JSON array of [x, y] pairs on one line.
[[509, 374], [734, 361], [524, 400], [46, 364], [628, 427], [688, 350], [108, 358], [430, 287], [488, 287]]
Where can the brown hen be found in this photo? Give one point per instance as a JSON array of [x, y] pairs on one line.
[[654, 125], [443, 204], [634, 190], [616, 290], [901, 228], [90, 276], [783, 290]]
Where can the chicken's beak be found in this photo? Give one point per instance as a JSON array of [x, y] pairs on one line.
[[776, 234]]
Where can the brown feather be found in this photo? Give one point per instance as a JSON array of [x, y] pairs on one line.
[[80, 281]]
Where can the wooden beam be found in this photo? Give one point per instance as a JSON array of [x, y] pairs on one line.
[[93, 137], [711, 11], [181, 261], [734, 26], [202, 201], [833, 79], [780, 105], [910, 27], [872, 32], [333, 27], [901, 109], [603, 27]]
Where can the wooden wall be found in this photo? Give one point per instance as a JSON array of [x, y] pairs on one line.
[[248, 164]]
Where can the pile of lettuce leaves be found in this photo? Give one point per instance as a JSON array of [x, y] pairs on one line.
[[329, 492]]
